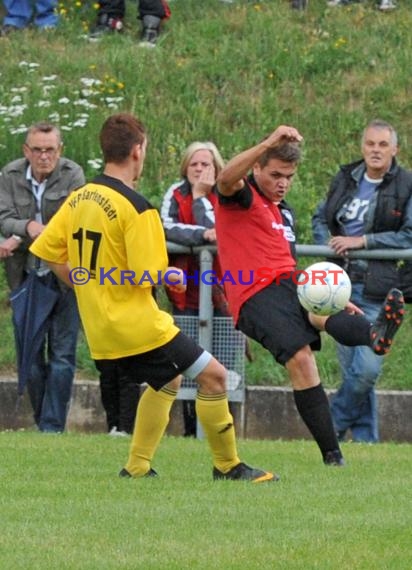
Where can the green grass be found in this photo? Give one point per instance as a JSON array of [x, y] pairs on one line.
[[63, 506], [228, 73]]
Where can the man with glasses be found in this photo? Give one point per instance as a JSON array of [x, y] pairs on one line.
[[31, 191]]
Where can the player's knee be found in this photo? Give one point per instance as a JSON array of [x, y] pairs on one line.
[[302, 369], [212, 379], [317, 321], [303, 358], [175, 383]]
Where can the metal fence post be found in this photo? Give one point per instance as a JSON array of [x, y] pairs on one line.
[[205, 311], [205, 300]]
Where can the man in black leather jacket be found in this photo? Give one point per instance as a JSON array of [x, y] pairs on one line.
[[368, 206]]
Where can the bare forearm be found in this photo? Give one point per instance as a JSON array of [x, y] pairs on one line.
[[230, 178]]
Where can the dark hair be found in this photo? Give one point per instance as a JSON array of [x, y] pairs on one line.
[[286, 152], [118, 135]]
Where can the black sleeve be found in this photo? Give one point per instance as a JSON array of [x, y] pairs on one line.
[[242, 197]]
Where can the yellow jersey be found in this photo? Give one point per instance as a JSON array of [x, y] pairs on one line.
[[113, 241]]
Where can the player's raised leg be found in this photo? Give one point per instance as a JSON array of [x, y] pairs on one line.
[[355, 330], [388, 322]]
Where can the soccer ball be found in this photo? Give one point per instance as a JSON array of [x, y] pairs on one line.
[[324, 288]]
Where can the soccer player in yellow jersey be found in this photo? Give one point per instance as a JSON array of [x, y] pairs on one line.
[[107, 241]]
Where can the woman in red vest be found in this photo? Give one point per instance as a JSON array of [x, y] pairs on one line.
[[188, 218]]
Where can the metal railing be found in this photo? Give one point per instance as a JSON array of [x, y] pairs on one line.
[[206, 262], [204, 332]]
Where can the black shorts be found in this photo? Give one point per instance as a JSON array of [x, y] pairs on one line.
[[159, 366], [275, 318]]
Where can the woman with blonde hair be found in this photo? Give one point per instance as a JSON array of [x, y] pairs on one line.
[[188, 219]]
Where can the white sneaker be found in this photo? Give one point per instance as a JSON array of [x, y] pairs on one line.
[[387, 5], [114, 432]]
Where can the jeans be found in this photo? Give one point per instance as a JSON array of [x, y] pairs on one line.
[[51, 377], [19, 13], [354, 405]]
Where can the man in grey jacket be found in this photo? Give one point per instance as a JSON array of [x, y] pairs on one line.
[[31, 191], [369, 206]]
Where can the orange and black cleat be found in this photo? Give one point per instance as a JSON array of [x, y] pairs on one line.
[[388, 322], [126, 474], [242, 472]]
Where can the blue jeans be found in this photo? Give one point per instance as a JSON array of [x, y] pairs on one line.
[[51, 377], [19, 13], [354, 405]]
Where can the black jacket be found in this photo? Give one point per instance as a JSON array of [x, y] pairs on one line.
[[388, 224]]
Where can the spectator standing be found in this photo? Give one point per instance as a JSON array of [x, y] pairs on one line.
[[369, 206], [255, 237], [31, 191], [122, 234], [111, 13], [21, 14]]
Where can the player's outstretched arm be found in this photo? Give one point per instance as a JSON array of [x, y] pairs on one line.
[[230, 179]]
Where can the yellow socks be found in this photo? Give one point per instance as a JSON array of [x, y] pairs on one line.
[[151, 421], [217, 423], [153, 416]]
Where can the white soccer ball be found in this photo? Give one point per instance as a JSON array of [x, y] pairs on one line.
[[324, 288]]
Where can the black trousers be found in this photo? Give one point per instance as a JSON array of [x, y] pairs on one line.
[[120, 395], [117, 8]]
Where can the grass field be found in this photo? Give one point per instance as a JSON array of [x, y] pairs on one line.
[[63, 507]]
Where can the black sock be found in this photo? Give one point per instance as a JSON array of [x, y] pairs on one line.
[[313, 407], [350, 330]]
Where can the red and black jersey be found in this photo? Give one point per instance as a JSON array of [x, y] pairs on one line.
[[255, 240]]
